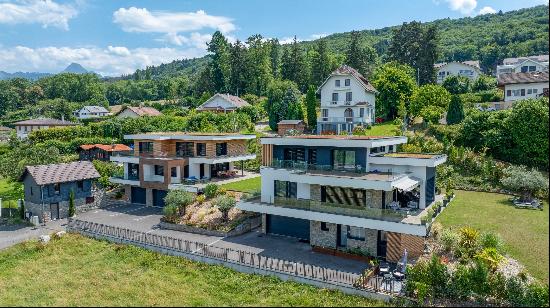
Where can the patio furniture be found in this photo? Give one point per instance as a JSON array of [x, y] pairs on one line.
[[412, 204], [394, 205], [383, 268]]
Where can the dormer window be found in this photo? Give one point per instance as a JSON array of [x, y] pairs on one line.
[[337, 83], [347, 82]]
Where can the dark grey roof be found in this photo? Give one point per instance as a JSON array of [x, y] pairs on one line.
[[95, 109], [514, 78], [45, 121], [539, 58], [60, 173], [290, 122]]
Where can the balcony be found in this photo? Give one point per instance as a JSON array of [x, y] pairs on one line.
[[354, 120], [363, 217], [125, 180]]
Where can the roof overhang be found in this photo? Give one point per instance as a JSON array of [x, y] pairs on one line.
[[335, 142], [184, 136]]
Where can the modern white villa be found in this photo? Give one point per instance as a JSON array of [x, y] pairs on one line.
[[347, 100], [163, 161], [469, 69], [523, 65], [345, 192]]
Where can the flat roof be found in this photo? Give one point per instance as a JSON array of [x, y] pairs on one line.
[[338, 137], [190, 136], [411, 155], [335, 140]]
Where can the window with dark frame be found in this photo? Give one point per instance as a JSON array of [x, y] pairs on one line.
[[173, 172], [522, 92], [347, 82], [348, 96], [159, 170], [146, 147], [221, 149], [201, 149], [57, 188], [324, 226], [337, 83], [355, 234], [334, 97], [509, 93], [80, 185], [285, 189], [184, 149]]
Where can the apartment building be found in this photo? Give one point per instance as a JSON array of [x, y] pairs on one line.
[[163, 161], [347, 100], [343, 192]]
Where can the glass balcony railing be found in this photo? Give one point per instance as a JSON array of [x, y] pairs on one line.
[[333, 208], [304, 166], [129, 177]]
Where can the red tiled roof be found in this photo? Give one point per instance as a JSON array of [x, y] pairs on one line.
[[514, 78], [60, 173]]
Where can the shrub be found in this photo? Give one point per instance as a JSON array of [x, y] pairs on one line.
[[424, 219], [525, 182], [222, 191], [179, 199], [468, 241], [491, 240], [432, 274], [211, 190], [449, 240], [436, 230], [200, 199], [224, 203], [170, 212], [490, 257]]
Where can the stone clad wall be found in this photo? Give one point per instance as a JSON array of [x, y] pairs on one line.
[[370, 243], [320, 238]]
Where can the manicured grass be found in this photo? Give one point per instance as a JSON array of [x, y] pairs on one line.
[[77, 271], [525, 232], [249, 185], [383, 129]]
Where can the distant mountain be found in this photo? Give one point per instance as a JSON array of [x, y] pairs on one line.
[[27, 75], [75, 68]]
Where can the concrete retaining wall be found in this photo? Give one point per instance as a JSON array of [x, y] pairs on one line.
[[244, 227]]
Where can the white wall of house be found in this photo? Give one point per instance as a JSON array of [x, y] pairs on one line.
[[525, 66], [514, 92], [23, 131], [218, 102], [84, 114], [457, 69], [334, 111], [127, 113]]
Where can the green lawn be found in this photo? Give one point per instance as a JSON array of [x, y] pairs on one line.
[[524, 231], [384, 129], [78, 271], [249, 185]]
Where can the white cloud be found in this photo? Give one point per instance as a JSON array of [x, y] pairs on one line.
[[172, 24], [110, 61], [465, 7], [44, 12], [487, 10]]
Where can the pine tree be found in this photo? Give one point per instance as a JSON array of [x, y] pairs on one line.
[[294, 66], [275, 57], [71, 204], [363, 59], [455, 113], [320, 63], [220, 66], [237, 79], [258, 65], [311, 105]]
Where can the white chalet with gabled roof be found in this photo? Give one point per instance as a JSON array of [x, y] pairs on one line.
[[347, 101]]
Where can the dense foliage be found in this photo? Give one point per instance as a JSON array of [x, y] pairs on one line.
[[395, 84]]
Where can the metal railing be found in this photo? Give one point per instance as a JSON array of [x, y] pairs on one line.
[[343, 119], [234, 256], [129, 177], [333, 208]]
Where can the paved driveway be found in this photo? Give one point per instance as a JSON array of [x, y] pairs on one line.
[[146, 219], [13, 234]]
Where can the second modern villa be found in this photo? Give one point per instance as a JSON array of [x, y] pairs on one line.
[[345, 192], [163, 161]]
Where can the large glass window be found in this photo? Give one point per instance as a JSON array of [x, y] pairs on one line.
[[295, 154], [221, 149], [201, 149], [285, 189], [146, 147], [133, 171], [184, 149], [159, 170], [343, 159]]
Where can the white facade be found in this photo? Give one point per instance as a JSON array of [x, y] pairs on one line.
[[527, 65], [345, 103], [223, 103], [514, 92], [23, 131], [88, 112], [457, 69]]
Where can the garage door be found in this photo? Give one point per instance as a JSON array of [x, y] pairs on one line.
[[158, 197], [138, 195], [288, 226]]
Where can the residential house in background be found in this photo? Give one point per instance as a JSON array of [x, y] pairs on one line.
[[5, 133], [517, 86], [523, 65], [347, 100], [47, 188], [344, 192], [164, 161], [23, 128], [223, 103], [135, 112], [469, 69], [284, 127], [89, 112], [101, 152]]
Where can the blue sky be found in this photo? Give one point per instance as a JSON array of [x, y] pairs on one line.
[[114, 37]]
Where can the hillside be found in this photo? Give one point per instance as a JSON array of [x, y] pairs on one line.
[[488, 38]]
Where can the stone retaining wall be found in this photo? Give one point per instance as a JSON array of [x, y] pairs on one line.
[[244, 227]]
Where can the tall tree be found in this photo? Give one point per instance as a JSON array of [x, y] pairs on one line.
[[416, 45], [455, 113], [280, 93], [274, 55], [294, 67], [258, 65], [311, 106], [395, 84], [362, 58], [237, 79], [321, 64], [219, 66]]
